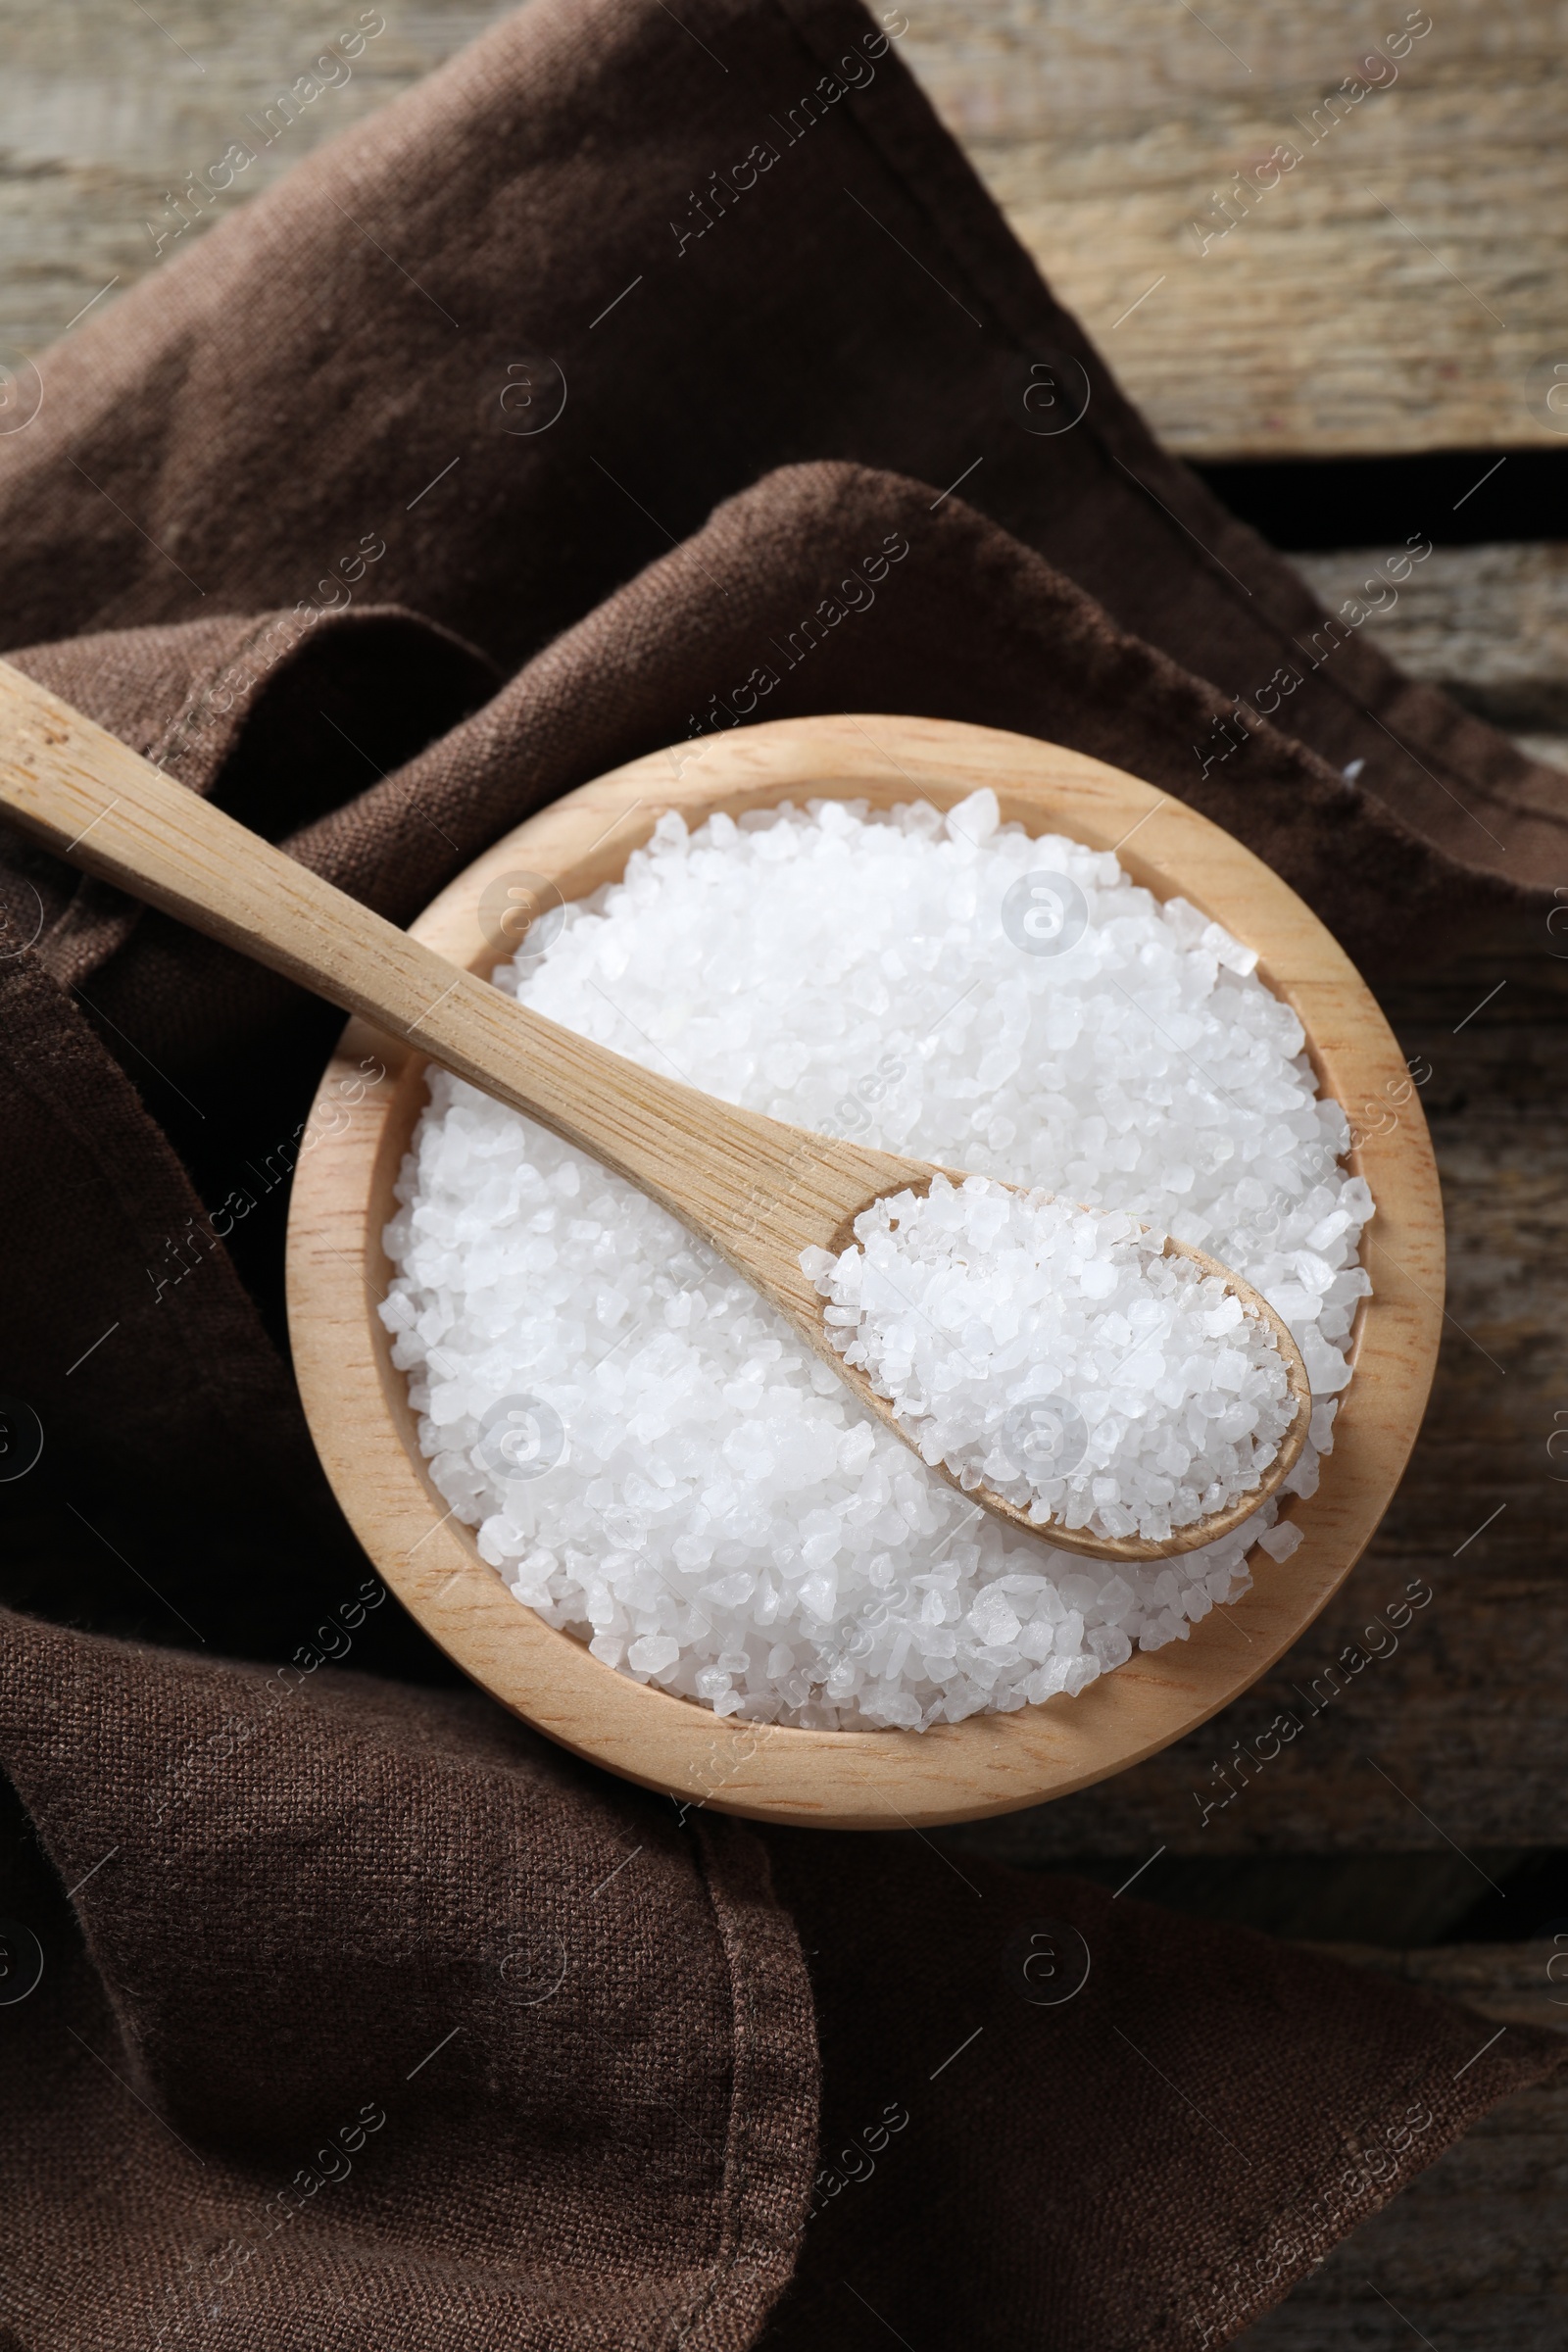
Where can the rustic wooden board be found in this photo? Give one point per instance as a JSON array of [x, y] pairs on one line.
[[1401, 285], [1473, 2256], [105, 107], [1319, 322], [1490, 625]]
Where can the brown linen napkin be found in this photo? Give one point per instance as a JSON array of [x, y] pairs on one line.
[[297, 1896]]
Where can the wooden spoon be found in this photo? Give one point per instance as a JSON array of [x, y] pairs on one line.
[[758, 1191]]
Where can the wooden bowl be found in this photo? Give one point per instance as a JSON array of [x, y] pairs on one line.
[[358, 1403]]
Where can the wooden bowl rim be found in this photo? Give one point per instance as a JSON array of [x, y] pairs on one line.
[[355, 1402]]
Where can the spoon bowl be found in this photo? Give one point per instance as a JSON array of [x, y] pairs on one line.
[[1207, 1529]]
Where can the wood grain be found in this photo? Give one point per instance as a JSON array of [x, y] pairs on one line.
[[105, 109], [357, 1402], [1403, 286], [1489, 625]]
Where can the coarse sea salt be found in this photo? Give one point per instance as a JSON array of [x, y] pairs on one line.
[[652, 1458], [1057, 1357]]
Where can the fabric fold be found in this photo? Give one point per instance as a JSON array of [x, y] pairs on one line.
[[369, 2002]]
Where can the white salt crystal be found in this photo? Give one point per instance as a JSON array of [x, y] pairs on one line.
[[1052, 1406], [653, 1653], [721, 1518]]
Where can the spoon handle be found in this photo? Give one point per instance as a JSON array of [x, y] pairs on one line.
[[758, 1190]]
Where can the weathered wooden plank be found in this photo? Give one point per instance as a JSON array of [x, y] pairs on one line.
[[106, 109], [1489, 623], [1473, 2256], [1523, 1983], [1321, 320], [1398, 286]]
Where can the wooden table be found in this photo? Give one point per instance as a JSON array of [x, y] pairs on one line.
[[1400, 285]]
